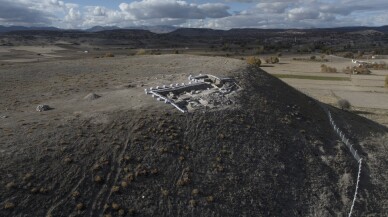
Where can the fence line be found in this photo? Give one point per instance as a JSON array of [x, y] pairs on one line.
[[354, 153]]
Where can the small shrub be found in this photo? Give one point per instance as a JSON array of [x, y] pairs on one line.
[[34, 190], [210, 199], [386, 81], [121, 212], [328, 69], [115, 206], [192, 203], [254, 61], [313, 57], [9, 205], [165, 192], [141, 52], [115, 189], [80, 206], [272, 60], [43, 190], [195, 192], [109, 55], [98, 179], [343, 104], [75, 194], [124, 184]]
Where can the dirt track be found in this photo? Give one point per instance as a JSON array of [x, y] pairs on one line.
[[274, 155]]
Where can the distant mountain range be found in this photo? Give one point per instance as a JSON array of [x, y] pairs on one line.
[[193, 31], [23, 28]]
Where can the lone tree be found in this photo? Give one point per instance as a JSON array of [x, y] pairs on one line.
[[344, 104]]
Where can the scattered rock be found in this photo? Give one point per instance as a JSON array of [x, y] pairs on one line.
[[92, 96], [203, 102], [42, 108]]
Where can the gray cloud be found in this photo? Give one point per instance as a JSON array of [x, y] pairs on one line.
[[302, 13], [13, 13], [151, 9], [260, 13]]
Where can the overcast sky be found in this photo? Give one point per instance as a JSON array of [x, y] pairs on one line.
[[218, 14]]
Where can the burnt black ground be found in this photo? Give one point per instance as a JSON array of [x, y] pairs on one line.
[[273, 155]]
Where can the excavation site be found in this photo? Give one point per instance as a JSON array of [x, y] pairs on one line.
[[184, 136]]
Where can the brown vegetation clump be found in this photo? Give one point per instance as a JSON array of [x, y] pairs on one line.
[[254, 61], [328, 69]]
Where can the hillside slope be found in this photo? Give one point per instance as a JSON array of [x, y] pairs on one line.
[[273, 155]]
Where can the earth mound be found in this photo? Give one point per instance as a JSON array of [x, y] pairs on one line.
[[274, 155]]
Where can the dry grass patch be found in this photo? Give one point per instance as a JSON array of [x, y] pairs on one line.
[[328, 69]]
